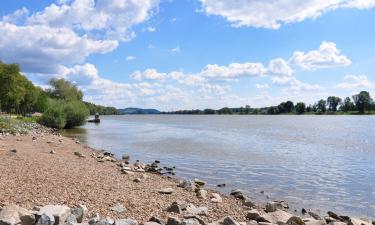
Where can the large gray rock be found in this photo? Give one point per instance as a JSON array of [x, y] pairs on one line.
[[119, 208], [192, 210], [174, 208], [190, 221], [295, 220], [187, 185], [355, 221], [94, 219], [337, 223], [79, 212], [45, 220], [173, 221], [229, 221], [273, 206], [13, 214], [312, 221], [126, 222], [56, 213], [279, 216]]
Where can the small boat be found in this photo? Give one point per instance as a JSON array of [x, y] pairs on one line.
[[96, 119]]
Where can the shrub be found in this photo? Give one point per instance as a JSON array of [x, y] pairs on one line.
[[76, 113], [54, 116]]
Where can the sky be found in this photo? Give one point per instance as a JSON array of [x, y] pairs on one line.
[[188, 54]]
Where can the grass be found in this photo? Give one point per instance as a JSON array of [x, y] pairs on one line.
[[13, 124]]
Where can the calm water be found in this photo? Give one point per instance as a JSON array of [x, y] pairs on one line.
[[317, 162]]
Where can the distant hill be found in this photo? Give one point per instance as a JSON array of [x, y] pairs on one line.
[[138, 111]]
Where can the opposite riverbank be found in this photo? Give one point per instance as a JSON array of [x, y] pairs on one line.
[[43, 168]]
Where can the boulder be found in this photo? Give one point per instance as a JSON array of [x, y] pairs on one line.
[[279, 216], [295, 220], [216, 198], [192, 210], [229, 221], [45, 220], [56, 213], [253, 214], [79, 212], [190, 221], [167, 191], [126, 222], [14, 214], [71, 220], [173, 221], [202, 194], [119, 208]]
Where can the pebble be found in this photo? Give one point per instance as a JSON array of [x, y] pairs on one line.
[[119, 208], [167, 191]]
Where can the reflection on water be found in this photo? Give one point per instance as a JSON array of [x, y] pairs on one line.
[[318, 162]]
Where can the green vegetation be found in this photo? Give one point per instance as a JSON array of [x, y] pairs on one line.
[[362, 104], [61, 105]]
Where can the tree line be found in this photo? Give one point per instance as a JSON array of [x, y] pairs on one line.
[[360, 103], [61, 105]]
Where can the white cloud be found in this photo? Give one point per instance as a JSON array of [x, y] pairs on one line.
[[262, 86], [113, 17], [148, 74], [295, 85], [176, 49], [232, 71], [130, 58], [279, 67], [151, 29], [42, 49], [356, 82], [273, 14], [327, 56]]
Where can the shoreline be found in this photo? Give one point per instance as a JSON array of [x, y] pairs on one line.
[[47, 168]]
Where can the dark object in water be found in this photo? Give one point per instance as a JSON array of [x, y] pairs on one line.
[[96, 119], [220, 185]]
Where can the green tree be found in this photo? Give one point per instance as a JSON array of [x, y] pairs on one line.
[[300, 108], [347, 105], [333, 102], [75, 113], [321, 106], [54, 116], [63, 89], [362, 101]]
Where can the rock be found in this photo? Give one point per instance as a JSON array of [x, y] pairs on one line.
[[14, 214], [187, 185], [137, 180], [174, 208], [56, 213], [156, 220], [303, 211], [311, 221], [329, 219], [94, 219], [202, 194], [337, 223], [252, 222], [52, 152], [79, 154], [247, 202], [151, 223], [173, 221], [253, 214], [216, 198], [238, 194], [126, 157], [200, 220], [34, 138], [279, 216], [79, 212], [295, 220], [127, 172], [221, 185], [273, 206], [199, 182], [71, 219], [355, 221], [45, 220], [190, 221], [126, 222], [314, 215], [13, 150], [229, 221], [335, 216], [119, 208], [167, 191], [192, 210]]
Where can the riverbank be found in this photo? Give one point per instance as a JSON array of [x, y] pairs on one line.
[[43, 168]]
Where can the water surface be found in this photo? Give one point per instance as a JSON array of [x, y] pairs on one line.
[[317, 162]]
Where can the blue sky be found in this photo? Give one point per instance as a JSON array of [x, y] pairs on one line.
[[184, 54]]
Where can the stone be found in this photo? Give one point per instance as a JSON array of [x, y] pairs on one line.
[[71, 219], [187, 185], [252, 222], [57, 213], [200, 220], [337, 223], [229, 221], [151, 223], [52, 152], [216, 198], [94, 219], [303, 211], [137, 180], [157, 220], [13, 150], [329, 219], [14, 214], [279, 216], [273, 206], [119, 208], [174, 208], [202, 194], [335, 216], [127, 172], [190, 221], [314, 215], [247, 202], [45, 220], [79, 154], [253, 214], [238, 194], [126, 157], [295, 220], [312, 221], [126, 222], [221, 185], [79, 212], [173, 221], [355, 221], [167, 191], [192, 210], [199, 182]]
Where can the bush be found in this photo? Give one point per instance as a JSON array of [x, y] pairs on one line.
[[54, 116], [76, 113]]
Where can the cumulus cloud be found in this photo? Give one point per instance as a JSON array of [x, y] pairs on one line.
[[232, 71], [112, 17], [273, 14], [148, 74], [42, 49], [130, 58], [262, 86], [356, 82], [327, 56], [176, 49]]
